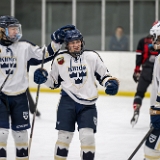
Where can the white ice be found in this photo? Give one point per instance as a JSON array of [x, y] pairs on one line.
[[115, 137]]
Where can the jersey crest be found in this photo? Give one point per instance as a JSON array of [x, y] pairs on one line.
[[78, 75], [7, 63], [60, 60]]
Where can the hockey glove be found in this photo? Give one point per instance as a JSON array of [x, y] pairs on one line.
[[155, 117], [136, 74], [112, 86], [59, 35], [40, 76]]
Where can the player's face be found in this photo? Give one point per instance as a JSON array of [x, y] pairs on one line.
[[158, 40], [74, 46], [13, 31]]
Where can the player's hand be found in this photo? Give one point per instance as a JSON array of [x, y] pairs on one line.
[[155, 117], [136, 75], [40, 76], [112, 86], [59, 35]]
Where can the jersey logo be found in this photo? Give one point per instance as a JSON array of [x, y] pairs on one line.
[[152, 138], [25, 115], [8, 63], [60, 60], [78, 74]]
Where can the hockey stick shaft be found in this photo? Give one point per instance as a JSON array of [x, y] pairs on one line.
[[10, 71], [5, 80], [34, 116], [140, 144]]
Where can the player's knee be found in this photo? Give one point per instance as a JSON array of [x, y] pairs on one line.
[[86, 136], [20, 136], [62, 144], [65, 136], [4, 135], [151, 154], [21, 142], [87, 140]]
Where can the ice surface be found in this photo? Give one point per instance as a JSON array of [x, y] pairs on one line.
[[115, 138]]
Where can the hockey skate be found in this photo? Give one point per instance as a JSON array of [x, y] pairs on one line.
[[135, 114]]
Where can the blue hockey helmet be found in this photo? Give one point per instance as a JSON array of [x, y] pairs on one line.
[[72, 35], [5, 23]]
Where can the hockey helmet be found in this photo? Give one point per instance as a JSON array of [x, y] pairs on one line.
[[5, 23], [72, 35], [155, 31]]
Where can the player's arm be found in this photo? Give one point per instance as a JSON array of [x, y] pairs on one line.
[[139, 59], [51, 79], [105, 79], [35, 54]]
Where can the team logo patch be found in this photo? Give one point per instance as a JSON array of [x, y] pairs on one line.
[[78, 75], [95, 120], [60, 60], [25, 115], [8, 64], [152, 138]]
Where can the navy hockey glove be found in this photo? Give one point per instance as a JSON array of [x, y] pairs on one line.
[[40, 76], [59, 35], [112, 87], [155, 117]]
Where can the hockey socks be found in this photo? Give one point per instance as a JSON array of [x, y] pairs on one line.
[[62, 145], [87, 140], [3, 143], [21, 143]]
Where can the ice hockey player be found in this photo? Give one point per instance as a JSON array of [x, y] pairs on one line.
[[152, 145], [145, 57], [15, 58], [76, 70]]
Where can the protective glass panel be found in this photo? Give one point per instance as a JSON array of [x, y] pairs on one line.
[[117, 14], [144, 16], [28, 12], [58, 14], [89, 23]]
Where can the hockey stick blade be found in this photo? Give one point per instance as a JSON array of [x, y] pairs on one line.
[[140, 144]]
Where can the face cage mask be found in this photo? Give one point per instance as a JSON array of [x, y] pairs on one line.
[[17, 36], [77, 54]]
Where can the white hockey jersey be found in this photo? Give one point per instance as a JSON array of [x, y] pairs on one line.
[[16, 57], [155, 91], [78, 77]]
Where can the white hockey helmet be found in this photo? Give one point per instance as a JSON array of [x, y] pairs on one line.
[[155, 31]]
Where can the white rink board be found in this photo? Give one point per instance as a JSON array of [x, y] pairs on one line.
[[120, 64]]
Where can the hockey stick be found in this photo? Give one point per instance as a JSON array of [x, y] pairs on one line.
[[34, 116], [10, 71], [140, 144], [5, 80]]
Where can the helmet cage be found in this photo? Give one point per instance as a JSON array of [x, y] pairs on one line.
[[5, 23], [17, 36], [73, 35]]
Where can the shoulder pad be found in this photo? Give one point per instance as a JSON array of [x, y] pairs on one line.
[[27, 42]]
